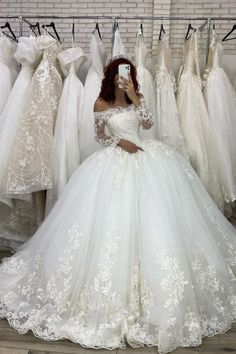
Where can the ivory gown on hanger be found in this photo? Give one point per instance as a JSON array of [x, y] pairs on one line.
[[66, 157], [20, 223], [168, 124], [30, 168], [220, 98], [146, 83], [8, 70], [195, 122], [92, 86], [133, 252], [118, 48]]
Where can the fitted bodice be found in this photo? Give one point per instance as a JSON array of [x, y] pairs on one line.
[[98, 53], [71, 60], [215, 51], [122, 122], [118, 47], [164, 60], [191, 56], [27, 52], [141, 51], [213, 61], [49, 46]]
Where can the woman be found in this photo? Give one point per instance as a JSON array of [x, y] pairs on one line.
[[134, 251]]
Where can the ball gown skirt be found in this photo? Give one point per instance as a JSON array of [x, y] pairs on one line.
[[133, 252]]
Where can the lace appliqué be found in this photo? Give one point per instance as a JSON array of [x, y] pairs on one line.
[[100, 135], [173, 285], [144, 115], [30, 167], [51, 297]]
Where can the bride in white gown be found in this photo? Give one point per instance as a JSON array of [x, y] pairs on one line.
[[134, 251]]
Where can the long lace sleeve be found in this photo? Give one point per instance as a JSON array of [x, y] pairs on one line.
[[100, 135], [144, 115]]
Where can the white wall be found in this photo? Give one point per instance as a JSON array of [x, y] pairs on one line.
[[128, 28]]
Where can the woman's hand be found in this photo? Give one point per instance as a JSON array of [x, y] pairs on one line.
[[128, 87], [128, 146]]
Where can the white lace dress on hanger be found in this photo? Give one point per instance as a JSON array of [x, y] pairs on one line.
[[30, 168], [195, 122], [92, 87], [168, 124], [220, 98], [66, 136], [118, 48], [17, 225], [7, 70], [118, 260], [146, 83]]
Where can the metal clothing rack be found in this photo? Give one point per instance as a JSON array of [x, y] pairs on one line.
[[208, 21]]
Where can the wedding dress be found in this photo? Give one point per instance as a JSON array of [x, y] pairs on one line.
[[28, 56], [134, 251], [30, 168], [195, 122], [66, 157], [7, 69], [220, 97], [168, 124], [146, 83], [118, 48], [18, 224], [92, 86]]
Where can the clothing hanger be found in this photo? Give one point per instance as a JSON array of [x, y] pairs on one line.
[[162, 30], [141, 28], [190, 28], [98, 30], [7, 26], [228, 34], [34, 28], [52, 25], [73, 32]]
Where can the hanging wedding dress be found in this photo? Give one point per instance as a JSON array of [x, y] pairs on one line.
[[18, 224], [118, 260], [168, 124], [7, 69], [146, 83], [118, 48], [30, 167], [66, 136], [87, 143], [27, 55], [220, 97], [195, 122]]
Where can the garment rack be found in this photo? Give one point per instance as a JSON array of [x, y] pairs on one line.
[[208, 20]]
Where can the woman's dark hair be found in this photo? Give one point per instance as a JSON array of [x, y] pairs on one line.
[[108, 87]]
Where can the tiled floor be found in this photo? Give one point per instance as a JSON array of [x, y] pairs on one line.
[[11, 342]]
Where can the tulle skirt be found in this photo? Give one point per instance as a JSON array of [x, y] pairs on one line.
[[133, 252]]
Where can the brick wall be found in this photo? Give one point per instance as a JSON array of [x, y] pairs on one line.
[[128, 28]]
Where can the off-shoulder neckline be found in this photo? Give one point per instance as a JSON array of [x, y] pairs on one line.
[[112, 108]]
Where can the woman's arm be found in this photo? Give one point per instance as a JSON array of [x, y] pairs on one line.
[[144, 115], [99, 126]]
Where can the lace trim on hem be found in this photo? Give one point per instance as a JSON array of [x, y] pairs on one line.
[[136, 335]]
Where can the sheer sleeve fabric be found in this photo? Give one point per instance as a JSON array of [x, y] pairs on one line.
[[100, 135], [144, 115]]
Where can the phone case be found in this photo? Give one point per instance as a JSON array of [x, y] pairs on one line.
[[124, 70]]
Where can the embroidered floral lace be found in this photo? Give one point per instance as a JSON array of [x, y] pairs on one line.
[[144, 116]]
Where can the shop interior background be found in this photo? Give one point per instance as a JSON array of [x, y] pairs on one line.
[[176, 30]]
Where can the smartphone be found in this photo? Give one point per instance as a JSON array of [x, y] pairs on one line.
[[124, 70]]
